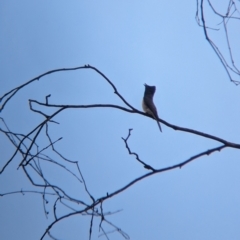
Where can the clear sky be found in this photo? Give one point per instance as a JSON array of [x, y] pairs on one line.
[[132, 43]]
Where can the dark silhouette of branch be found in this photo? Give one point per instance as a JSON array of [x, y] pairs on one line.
[[135, 154], [33, 155], [232, 14], [175, 127], [12, 92]]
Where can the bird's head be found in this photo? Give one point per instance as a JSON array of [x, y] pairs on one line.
[[149, 89]]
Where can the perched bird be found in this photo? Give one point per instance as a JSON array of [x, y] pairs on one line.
[[147, 103]]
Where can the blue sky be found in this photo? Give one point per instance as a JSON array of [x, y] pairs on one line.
[[132, 43]]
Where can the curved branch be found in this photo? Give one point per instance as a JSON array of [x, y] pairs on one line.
[[232, 9], [100, 200], [175, 127]]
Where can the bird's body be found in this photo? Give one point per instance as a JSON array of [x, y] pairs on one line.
[[148, 105]]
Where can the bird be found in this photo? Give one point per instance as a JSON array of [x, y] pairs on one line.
[[148, 104]]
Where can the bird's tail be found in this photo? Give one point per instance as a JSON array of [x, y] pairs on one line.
[[159, 125]]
